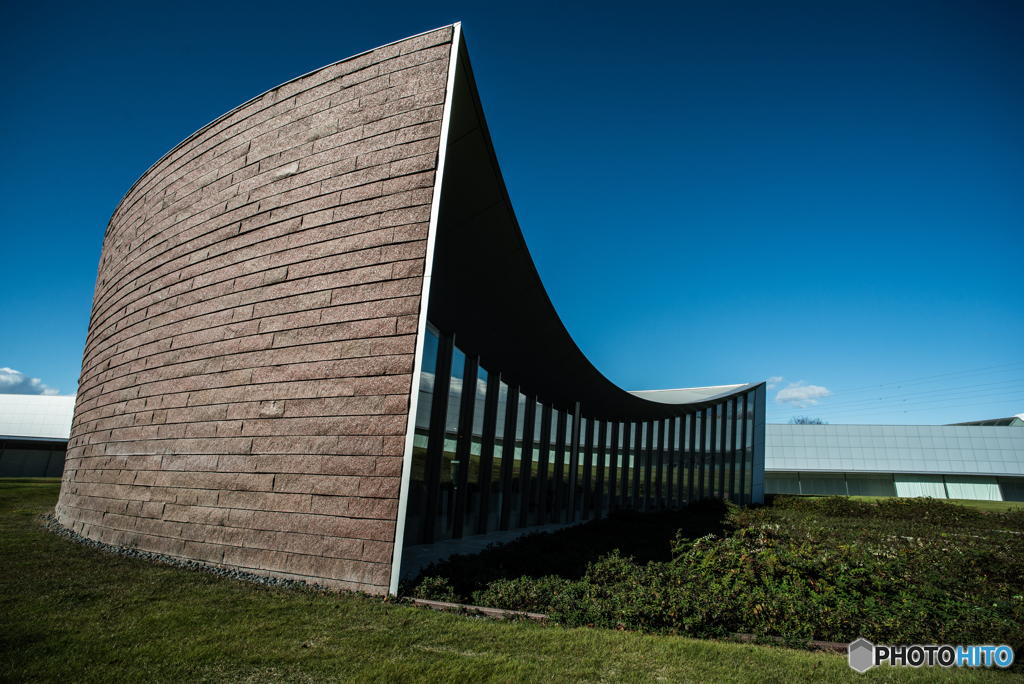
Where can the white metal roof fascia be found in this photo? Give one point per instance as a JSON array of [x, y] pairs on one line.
[[689, 395], [36, 417]]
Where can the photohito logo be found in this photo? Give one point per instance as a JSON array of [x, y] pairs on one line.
[[864, 655]]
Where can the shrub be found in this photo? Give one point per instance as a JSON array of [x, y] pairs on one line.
[[522, 593], [900, 571], [435, 589]]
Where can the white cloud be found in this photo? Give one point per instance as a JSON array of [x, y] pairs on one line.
[[801, 395], [16, 382], [773, 381], [426, 382]]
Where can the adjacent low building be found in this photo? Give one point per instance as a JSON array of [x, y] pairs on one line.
[[982, 460], [34, 432]]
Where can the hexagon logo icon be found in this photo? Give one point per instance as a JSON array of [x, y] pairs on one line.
[[862, 655]]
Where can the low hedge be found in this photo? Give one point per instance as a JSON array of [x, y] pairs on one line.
[[899, 571]]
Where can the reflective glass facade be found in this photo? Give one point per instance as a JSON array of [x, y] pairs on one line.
[[489, 456]]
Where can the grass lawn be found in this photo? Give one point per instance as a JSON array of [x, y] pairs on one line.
[[74, 614]]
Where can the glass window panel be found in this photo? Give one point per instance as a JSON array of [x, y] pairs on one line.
[[748, 458], [549, 497], [606, 489], [516, 493], [417, 501], [496, 496], [643, 472], [445, 515], [473, 496], [567, 462]]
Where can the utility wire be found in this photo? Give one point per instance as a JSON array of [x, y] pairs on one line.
[[876, 413], [902, 406], [951, 391], [867, 388], [857, 409]]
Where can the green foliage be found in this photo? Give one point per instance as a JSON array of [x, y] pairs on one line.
[[900, 571], [523, 593], [435, 589]]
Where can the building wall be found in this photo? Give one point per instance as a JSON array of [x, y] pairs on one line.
[[936, 486], [940, 461], [32, 458], [939, 449], [247, 372]]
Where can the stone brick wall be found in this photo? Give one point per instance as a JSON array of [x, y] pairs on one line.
[[246, 379]]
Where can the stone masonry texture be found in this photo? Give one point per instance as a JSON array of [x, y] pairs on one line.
[[247, 373]]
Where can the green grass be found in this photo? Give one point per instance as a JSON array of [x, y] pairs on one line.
[[74, 614]]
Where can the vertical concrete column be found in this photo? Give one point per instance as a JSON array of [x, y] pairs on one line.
[[526, 462], [683, 463], [659, 502], [670, 492], [627, 429], [613, 472], [637, 476], [508, 455], [543, 458], [588, 459], [723, 448], [743, 453], [490, 428], [464, 442], [757, 473], [714, 432], [702, 455], [574, 461], [648, 464], [692, 458], [734, 451], [559, 475], [602, 434]]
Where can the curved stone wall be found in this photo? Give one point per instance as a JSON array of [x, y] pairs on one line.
[[246, 380]]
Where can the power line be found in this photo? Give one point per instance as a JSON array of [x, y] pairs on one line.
[[952, 391], [901, 406], [986, 403], [898, 383]]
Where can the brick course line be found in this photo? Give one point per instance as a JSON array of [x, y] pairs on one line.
[[334, 299], [327, 155], [288, 241], [246, 380], [261, 104]]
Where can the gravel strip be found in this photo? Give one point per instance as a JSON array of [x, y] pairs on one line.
[[51, 524]]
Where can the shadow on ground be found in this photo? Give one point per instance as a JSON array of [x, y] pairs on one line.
[[567, 552]]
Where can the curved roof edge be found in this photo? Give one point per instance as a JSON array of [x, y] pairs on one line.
[[486, 290], [694, 395]]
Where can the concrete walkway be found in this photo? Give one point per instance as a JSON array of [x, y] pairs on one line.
[[415, 558]]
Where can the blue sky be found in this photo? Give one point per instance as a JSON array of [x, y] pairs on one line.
[[829, 194]]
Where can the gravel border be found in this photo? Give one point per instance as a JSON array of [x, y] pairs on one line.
[[53, 526]]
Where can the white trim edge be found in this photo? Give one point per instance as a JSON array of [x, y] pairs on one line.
[[421, 328]]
